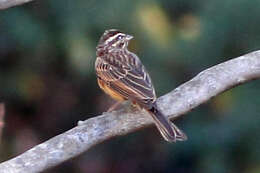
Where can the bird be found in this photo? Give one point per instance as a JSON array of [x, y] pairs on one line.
[[121, 75]]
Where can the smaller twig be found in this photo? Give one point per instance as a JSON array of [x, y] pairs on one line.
[[2, 114], [4, 4]]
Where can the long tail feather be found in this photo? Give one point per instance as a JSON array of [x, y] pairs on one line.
[[168, 130]]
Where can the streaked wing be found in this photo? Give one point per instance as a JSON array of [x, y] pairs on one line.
[[126, 76]]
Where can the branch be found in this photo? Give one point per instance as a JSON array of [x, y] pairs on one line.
[[89, 133], [4, 4]]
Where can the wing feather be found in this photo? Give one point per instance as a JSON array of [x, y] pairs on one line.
[[126, 75]]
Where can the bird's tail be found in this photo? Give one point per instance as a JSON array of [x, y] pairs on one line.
[[168, 130]]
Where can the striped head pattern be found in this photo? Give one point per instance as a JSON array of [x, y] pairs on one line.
[[114, 39]]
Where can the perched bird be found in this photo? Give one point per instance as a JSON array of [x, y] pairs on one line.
[[121, 74]]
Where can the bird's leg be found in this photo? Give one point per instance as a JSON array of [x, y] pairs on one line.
[[135, 105], [114, 106]]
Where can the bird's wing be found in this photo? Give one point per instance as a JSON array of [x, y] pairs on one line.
[[126, 76]]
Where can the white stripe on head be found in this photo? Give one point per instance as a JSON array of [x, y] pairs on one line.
[[113, 37]]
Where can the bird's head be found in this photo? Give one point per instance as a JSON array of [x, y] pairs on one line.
[[114, 39]]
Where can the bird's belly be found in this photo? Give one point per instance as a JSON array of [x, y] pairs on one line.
[[109, 91]]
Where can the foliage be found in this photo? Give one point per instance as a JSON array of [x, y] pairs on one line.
[[47, 53]]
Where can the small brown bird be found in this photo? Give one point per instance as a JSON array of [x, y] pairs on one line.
[[122, 75]]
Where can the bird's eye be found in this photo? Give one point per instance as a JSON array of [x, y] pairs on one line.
[[120, 37]]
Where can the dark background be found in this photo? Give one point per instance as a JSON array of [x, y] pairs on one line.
[[48, 83]]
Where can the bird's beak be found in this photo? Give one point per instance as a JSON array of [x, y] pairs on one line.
[[129, 37]]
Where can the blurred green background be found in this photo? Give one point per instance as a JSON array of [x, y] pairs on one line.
[[48, 83]]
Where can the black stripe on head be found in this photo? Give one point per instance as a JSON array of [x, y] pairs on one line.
[[107, 34]]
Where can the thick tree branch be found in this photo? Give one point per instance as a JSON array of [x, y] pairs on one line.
[[4, 4], [89, 133]]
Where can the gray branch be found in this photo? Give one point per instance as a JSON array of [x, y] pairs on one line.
[[4, 4], [93, 131]]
